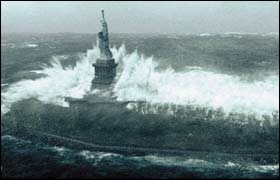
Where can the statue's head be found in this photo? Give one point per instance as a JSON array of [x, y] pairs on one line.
[[100, 35]]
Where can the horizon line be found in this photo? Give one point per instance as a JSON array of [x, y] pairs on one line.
[[151, 33]]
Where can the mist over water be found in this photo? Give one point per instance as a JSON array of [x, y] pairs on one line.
[[139, 80]]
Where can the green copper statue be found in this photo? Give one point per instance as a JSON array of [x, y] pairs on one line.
[[103, 39]]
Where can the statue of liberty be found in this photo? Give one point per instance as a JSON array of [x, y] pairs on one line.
[[105, 66], [103, 40]]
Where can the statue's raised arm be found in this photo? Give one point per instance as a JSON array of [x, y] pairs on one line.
[[103, 16], [104, 24]]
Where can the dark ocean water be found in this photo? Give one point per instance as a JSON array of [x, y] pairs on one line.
[[244, 66], [21, 158]]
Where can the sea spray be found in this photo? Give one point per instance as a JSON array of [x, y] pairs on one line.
[[58, 81], [139, 80]]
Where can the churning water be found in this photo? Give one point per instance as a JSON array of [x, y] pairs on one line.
[[59, 162], [164, 90], [139, 80]]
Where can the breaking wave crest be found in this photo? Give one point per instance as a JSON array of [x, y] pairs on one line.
[[58, 82], [140, 80]]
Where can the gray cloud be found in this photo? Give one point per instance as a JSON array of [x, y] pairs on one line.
[[141, 17]]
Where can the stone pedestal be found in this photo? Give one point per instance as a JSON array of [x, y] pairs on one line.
[[105, 71]]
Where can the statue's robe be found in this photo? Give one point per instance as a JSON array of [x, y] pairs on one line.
[[104, 42]]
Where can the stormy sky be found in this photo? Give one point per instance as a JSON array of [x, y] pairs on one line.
[[141, 17]]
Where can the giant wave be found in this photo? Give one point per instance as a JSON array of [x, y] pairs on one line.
[[140, 80]]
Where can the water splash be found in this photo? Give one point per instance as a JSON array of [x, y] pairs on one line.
[[139, 80], [59, 82]]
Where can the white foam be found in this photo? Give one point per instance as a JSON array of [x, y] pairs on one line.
[[173, 160], [32, 45], [193, 162], [141, 81], [60, 150], [231, 164], [240, 33], [204, 34], [59, 82], [97, 156], [87, 154], [193, 67], [3, 85], [265, 168], [130, 106]]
